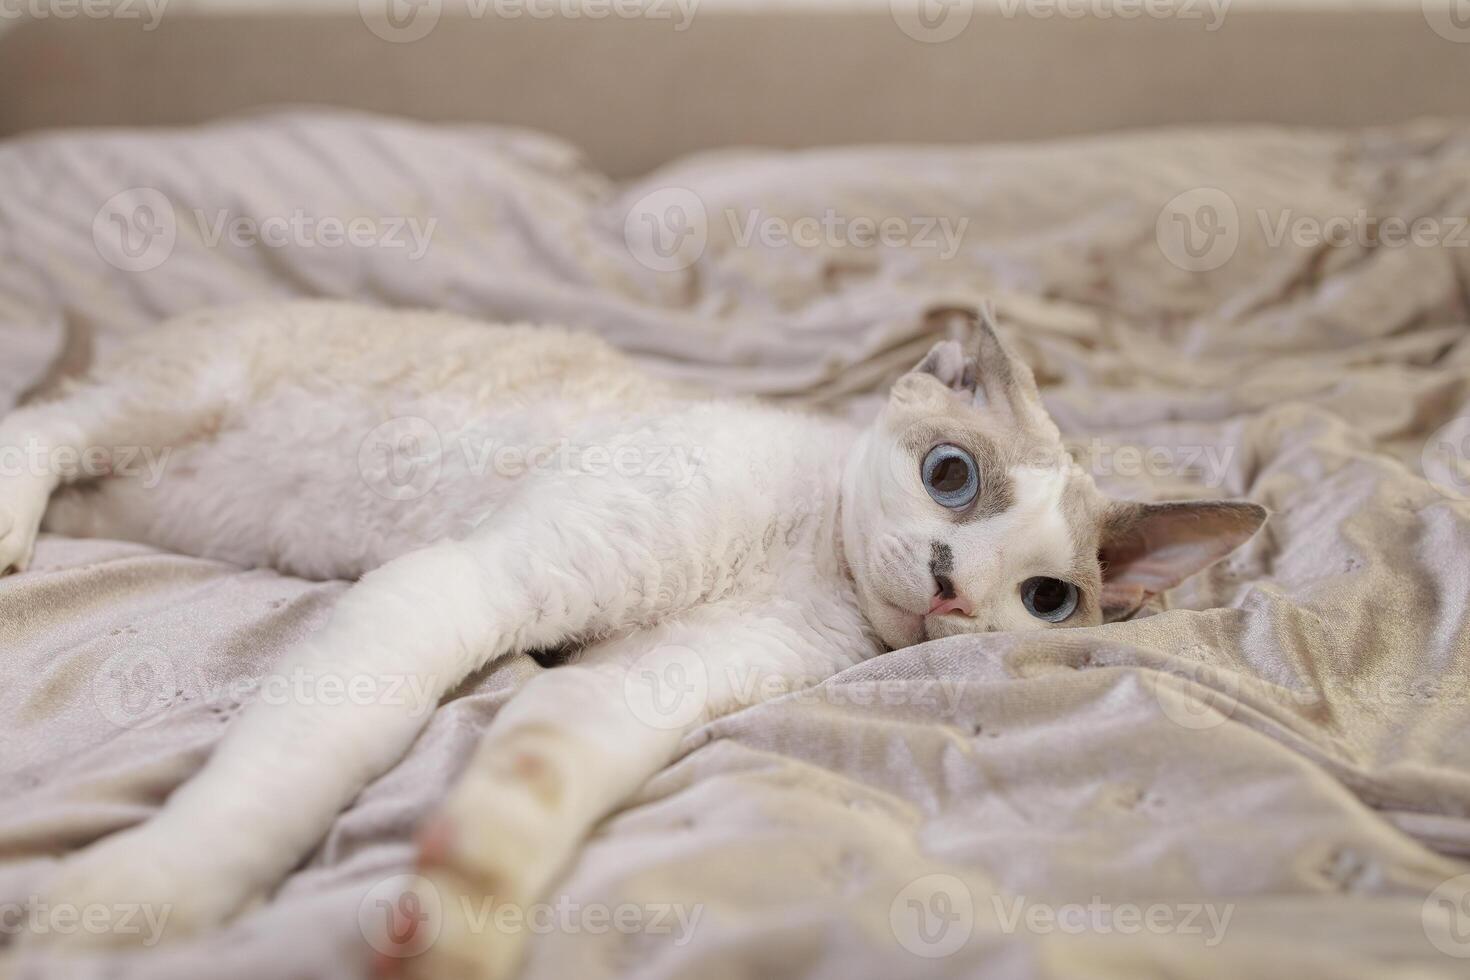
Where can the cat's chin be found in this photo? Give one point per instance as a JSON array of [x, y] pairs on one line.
[[897, 626], [947, 624]]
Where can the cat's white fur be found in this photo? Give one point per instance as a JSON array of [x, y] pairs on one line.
[[785, 546]]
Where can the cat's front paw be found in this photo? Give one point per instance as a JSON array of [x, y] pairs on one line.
[[135, 888], [21, 508]]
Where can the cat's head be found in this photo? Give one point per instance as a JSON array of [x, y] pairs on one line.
[[963, 512]]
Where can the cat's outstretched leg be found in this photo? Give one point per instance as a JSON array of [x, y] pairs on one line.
[[348, 703], [572, 745], [398, 640]]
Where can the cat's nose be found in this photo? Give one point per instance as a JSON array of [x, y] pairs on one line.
[[947, 598], [946, 587]]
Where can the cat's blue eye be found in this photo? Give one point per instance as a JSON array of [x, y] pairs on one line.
[[1050, 599], [951, 476]]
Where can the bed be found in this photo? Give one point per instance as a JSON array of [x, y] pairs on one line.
[[1266, 774]]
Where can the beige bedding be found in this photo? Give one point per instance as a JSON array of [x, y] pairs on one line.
[[1267, 776]]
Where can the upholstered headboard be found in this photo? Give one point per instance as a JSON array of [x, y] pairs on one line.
[[637, 92]]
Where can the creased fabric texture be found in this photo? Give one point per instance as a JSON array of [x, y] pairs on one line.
[[1282, 743]]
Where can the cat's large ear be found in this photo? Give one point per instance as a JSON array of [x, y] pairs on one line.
[[983, 369], [1147, 548], [948, 362]]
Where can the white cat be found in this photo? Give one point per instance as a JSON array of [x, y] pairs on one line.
[[510, 489]]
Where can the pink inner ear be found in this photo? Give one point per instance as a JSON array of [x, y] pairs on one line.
[[1148, 548], [949, 364], [1154, 567], [1121, 597], [1130, 576]]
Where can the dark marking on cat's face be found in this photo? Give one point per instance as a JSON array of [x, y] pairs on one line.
[[941, 558]]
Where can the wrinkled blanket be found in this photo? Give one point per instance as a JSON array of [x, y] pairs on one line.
[[1267, 774]]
